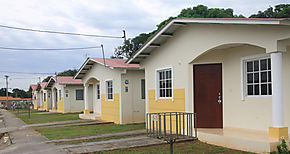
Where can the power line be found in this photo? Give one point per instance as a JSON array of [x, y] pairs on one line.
[[43, 73], [59, 32], [48, 49]]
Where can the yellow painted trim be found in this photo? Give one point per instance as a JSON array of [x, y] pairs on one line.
[[54, 108], [86, 111], [278, 132]]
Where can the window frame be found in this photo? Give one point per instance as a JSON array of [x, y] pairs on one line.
[[106, 81], [44, 97], [244, 84], [143, 89], [157, 95], [98, 89], [77, 95], [59, 95]]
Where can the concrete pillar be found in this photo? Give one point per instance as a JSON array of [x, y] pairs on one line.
[[53, 100], [86, 100], [278, 129]]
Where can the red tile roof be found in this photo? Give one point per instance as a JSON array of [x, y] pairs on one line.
[[33, 86], [118, 63], [67, 80], [3, 98], [42, 84]]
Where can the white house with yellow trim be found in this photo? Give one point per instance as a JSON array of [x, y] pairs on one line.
[[66, 94], [32, 88], [41, 96], [113, 90], [233, 73]]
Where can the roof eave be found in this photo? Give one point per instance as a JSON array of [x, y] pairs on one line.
[[209, 21]]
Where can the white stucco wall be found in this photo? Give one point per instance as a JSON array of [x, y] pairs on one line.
[[133, 106], [70, 102]]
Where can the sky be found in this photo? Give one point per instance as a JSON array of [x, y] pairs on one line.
[[99, 17]]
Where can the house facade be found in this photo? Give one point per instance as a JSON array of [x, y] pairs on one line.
[[34, 95], [233, 73], [41, 96], [113, 90], [66, 94]]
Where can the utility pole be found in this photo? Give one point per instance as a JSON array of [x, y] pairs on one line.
[[124, 32], [103, 54], [6, 77]]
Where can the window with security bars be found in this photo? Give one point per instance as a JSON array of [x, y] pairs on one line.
[[109, 85], [258, 75], [165, 83]]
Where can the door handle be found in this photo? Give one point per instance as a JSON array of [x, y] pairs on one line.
[[219, 98]]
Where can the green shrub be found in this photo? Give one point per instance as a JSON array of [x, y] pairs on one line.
[[283, 148]]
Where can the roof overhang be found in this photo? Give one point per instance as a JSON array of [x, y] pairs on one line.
[[50, 83], [167, 31]]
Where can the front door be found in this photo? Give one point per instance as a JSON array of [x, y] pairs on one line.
[[208, 95]]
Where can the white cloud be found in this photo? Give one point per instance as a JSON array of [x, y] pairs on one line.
[[90, 16]]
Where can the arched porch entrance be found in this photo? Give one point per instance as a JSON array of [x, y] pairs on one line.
[[54, 99], [92, 99]]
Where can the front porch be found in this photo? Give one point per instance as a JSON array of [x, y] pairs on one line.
[[241, 139], [90, 116]]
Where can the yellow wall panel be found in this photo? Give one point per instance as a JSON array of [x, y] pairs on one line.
[[167, 105], [110, 109], [60, 105], [35, 104]]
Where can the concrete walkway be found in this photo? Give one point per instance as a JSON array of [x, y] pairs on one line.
[[89, 147], [26, 141], [99, 136]]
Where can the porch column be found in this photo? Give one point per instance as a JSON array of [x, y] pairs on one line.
[[53, 100], [87, 110], [41, 100], [278, 129]]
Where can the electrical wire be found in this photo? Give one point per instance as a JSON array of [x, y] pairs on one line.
[[44, 73], [59, 32], [48, 49]]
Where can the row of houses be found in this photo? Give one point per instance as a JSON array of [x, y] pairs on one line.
[[233, 73], [105, 89]]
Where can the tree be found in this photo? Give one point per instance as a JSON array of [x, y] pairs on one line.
[[200, 11], [70, 72], [280, 11]]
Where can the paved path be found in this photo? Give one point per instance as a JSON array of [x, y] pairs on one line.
[[100, 136], [26, 141], [88, 147]]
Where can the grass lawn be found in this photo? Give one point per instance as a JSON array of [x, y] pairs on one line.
[[24, 111], [44, 118], [78, 131], [195, 147]]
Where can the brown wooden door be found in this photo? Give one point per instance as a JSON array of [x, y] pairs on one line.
[[208, 95]]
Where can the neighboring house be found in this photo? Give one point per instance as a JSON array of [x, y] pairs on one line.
[[13, 100], [67, 94], [42, 96], [113, 90], [233, 73], [34, 95]]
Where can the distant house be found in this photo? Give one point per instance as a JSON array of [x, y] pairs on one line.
[[66, 94], [34, 95], [114, 90], [41, 96], [233, 73]]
